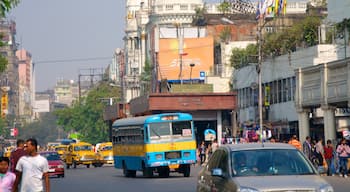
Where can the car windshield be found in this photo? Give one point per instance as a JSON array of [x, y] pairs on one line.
[[270, 162], [60, 148], [83, 148], [106, 148]]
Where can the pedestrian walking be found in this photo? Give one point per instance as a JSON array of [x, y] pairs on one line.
[[7, 178], [16, 154], [343, 151], [202, 152], [319, 149], [328, 156], [32, 170]]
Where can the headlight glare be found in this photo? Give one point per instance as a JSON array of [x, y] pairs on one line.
[[327, 188]]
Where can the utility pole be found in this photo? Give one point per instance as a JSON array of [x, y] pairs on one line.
[[92, 73]]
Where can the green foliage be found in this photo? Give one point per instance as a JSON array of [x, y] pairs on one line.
[[302, 34], [3, 130], [340, 28], [199, 19], [224, 7], [242, 57], [7, 5], [3, 63], [86, 117], [45, 130]]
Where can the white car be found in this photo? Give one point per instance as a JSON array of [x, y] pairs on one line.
[[260, 167]]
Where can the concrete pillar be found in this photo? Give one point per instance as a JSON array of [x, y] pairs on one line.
[[219, 126], [304, 125], [234, 123], [329, 122]]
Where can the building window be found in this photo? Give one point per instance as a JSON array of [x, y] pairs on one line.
[[293, 88], [160, 7], [169, 7], [291, 5], [183, 7], [280, 91]]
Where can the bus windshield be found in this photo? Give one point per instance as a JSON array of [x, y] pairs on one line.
[[167, 130]]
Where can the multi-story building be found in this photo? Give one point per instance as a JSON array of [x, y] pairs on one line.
[[9, 78], [66, 91], [26, 84], [304, 93]]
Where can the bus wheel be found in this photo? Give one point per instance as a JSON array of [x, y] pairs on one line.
[[187, 170], [147, 172], [68, 166], [88, 166]]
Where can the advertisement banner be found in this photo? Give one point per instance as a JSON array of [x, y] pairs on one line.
[[4, 105], [196, 51]]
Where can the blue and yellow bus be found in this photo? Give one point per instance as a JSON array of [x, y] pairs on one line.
[[160, 143]]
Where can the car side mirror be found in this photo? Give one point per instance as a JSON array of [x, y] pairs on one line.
[[217, 172]]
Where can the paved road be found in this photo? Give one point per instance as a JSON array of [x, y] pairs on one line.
[[107, 178]]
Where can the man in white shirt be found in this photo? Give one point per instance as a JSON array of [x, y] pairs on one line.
[[32, 169]]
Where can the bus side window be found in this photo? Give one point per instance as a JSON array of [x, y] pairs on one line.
[[146, 134]]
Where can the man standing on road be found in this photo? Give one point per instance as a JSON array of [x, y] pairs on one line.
[[307, 147], [31, 169], [16, 154]]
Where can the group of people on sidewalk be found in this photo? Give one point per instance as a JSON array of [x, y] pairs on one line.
[[334, 159], [25, 170]]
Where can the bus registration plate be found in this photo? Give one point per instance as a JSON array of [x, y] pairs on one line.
[[174, 166]]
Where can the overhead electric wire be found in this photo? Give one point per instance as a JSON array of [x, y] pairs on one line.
[[72, 60]]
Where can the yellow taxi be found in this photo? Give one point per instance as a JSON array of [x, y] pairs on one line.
[[61, 150], [81, 154], [105, 153]]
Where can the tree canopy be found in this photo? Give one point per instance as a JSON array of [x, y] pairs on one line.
[[7, 5], [302, 34], [86, 116]]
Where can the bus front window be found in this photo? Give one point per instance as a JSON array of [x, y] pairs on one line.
[[182, 129], [159, 130]]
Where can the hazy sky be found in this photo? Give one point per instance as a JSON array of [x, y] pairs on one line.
[[54, 30], [68, 30]]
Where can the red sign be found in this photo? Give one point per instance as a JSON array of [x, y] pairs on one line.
[[14, 132]]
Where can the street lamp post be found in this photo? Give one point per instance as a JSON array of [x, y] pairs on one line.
[[261, 25]]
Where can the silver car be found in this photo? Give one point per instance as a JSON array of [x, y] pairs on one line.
[[260, 167]]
